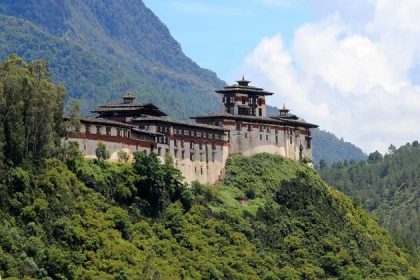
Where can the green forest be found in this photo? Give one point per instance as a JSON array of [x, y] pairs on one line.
[[329, 149], [387, 186], [64, 217]]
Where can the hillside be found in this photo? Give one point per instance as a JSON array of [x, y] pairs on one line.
[[102, 49], [64, 217], [387, 186], [327, 147], [99, 221]]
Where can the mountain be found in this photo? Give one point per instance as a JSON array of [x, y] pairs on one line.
[[388, 186], [327, 147], [77, 219], [100, 49]]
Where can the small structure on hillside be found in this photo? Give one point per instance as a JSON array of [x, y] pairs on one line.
[[243, 200]]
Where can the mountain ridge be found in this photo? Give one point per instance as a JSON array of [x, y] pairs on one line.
[[97, 57]]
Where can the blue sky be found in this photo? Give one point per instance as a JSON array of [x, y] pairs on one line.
[[219, 34], [351, 66]]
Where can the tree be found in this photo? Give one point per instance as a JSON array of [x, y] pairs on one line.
[[123, 156], [74, 120], [102, 152], [31, 110], [322, 164], [392, 149], [375, 156], [162, 183]]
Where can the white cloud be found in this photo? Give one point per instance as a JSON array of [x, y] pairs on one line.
[[351, 79]]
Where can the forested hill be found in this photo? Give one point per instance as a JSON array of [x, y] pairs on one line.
[[330, 149], [388, 186], [63, 217], [101, 49]]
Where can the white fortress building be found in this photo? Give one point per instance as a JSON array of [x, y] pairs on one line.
[[199, 149]]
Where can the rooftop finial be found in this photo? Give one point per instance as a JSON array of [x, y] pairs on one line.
[[284, 111], [128, 98], [243, 82]]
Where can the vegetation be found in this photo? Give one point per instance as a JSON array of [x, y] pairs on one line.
[[64, 217], [387, 186], [116, 221], [27, 130], [329, 149], [102, 152], [101, 50]]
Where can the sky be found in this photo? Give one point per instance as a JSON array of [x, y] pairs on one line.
[[353, 67]]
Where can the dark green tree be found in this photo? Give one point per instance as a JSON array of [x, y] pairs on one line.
[[31, 110], [102, 153]]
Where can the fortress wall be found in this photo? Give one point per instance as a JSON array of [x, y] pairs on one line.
[[262, 140], [88, 147]]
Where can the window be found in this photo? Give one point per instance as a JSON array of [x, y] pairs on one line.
[[191, 145], [261, 128], [260, 136], [182, 155], [201, 170], [291, 140], [119, 132], [175, 153], [167, 151], [186, 133], [175, 143], [160, 151], [213, 156], [98, 129], [266, 138], [277, 139], [308, 143], [108, 130], [182, 143], [213, 146], [243, 99], [268, 129], [260, 112], [238, 126], [249, 127], [192, 156], [87, 127], [260, 102], [246, 135], [199, 134], [277, 131], [201, 146]]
